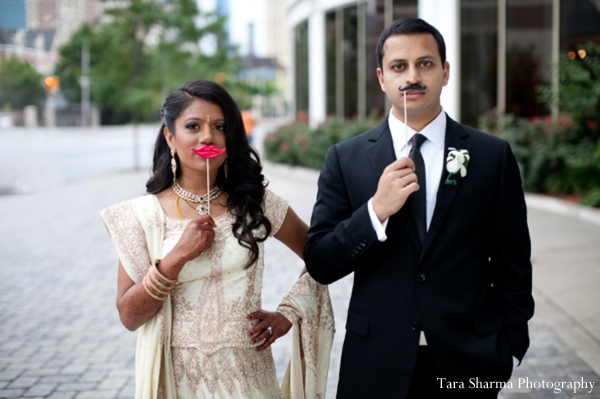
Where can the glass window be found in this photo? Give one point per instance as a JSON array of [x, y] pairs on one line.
[[528, 54], [375, 24], [405, 9], [301, 63], [479, 43], [342, 56], [350, 46], [330, 67], [579, 23]]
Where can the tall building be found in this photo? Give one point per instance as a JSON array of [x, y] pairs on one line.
[[12, 14], [498, 50], [223, 11], [63, 15], [278, 43]]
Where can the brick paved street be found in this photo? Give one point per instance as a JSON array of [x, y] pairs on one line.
[[60, 336]]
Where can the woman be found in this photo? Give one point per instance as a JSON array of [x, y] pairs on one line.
[[191, 263]]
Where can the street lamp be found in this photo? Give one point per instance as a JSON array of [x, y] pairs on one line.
[[52, 83]]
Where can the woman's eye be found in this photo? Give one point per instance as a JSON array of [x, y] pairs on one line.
[[192, 126], [220, 128]]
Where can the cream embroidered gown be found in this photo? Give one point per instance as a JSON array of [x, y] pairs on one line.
[[210, 352]]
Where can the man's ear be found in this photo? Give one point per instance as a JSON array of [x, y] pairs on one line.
[[446, 72], [380, 77]]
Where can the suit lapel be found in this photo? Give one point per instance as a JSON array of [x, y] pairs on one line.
[[380, 151], [455, 136]]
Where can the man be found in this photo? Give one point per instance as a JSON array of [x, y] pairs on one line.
[[441, 261]]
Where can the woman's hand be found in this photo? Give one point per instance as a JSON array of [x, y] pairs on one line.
[[279, 326], [197, 237]]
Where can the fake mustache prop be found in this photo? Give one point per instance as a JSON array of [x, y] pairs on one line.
[[412, 86]]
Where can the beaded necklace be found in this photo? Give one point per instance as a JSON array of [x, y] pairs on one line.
[[202, 200]]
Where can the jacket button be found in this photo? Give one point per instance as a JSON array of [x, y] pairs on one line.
[[421, 278], [415, 326]]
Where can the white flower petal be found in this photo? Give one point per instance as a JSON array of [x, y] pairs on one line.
[[463, 171], [460, 158], [453, 166]]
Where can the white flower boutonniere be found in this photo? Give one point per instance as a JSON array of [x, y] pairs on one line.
[[457, 161]]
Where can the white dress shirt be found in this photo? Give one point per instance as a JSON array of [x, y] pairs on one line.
[[432, 151]]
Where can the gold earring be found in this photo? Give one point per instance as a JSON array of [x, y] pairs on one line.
[[173, 166]]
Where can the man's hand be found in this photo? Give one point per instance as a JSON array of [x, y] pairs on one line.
[[397, 182]]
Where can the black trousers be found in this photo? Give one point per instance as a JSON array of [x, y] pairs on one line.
[[425, 383]]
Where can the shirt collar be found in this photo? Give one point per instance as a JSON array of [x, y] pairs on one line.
[[435, 131]]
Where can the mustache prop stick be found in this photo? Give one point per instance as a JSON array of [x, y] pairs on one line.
[[404, 89], [208, 152]]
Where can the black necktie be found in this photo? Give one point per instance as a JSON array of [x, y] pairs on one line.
[[417, 199]]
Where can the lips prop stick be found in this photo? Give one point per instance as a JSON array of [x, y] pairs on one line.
[[208, 152], [404, 89]]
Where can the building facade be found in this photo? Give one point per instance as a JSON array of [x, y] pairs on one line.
[[48, 24], [498, 50]]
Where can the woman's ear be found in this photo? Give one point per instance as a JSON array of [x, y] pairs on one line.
[[169, 138]]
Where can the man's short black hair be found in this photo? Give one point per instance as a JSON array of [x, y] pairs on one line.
[[410, 26]]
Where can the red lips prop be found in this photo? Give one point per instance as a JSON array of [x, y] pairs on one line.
[[208, 151]]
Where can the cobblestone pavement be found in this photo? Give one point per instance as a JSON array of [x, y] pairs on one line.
[[60, 336]]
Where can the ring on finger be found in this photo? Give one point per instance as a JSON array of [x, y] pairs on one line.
[[270, 330]]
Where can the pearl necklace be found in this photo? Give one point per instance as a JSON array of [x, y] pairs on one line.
[[202, 200]]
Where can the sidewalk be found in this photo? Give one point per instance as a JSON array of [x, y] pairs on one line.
[[60, 336]]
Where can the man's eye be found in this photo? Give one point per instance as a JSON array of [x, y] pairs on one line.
[[398, 67], [426, 63], [220, 127]]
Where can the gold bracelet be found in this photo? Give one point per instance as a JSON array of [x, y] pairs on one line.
[[152, 292], [149, 291], [161, 286], [156, 288], [166, 280]]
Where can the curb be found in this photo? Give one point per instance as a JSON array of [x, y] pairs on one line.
[[564, 208]]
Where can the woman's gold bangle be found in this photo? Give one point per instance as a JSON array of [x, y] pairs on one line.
[[149, 290], [166, 280], [155, 288], [160, 285]]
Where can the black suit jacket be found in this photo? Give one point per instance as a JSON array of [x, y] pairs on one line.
[[468, 287]]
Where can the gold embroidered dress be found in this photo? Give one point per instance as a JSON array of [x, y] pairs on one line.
[[197, 346]]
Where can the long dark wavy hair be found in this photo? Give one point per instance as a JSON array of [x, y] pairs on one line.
[[245, 183]]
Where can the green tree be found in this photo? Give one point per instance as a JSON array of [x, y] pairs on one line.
[[561, 156], [579, 91], [20, 84], [148, 48]]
